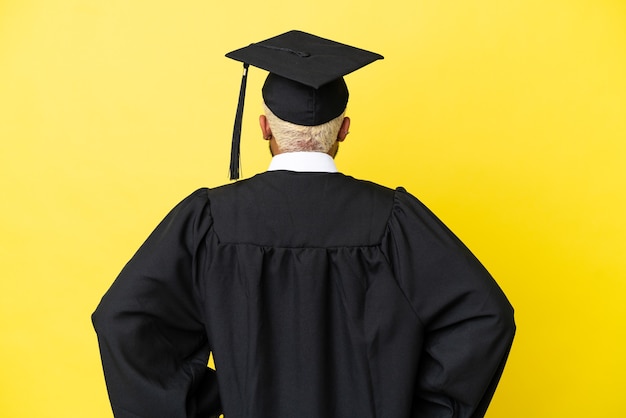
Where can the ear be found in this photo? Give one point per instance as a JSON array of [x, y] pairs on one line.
[[344, 130], [265, 128]]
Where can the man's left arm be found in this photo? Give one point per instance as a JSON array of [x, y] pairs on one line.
[[153, 344]]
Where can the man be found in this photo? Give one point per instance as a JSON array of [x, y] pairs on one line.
[[319, 295]]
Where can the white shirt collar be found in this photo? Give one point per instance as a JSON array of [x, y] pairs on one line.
[[310, 162]]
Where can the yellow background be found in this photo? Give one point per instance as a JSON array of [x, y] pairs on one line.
[[507, 118]]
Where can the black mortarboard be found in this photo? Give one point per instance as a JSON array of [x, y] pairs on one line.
[[305, 85]]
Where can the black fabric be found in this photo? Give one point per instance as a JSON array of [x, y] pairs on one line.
[[305, 85], [305, 58], [303, 105], [319, 296]]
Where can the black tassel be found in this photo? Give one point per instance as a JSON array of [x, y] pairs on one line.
[[235, 149]]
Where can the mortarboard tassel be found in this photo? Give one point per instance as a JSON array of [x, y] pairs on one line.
[[235, 149]]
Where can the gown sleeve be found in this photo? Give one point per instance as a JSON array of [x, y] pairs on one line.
[[152, 340], [468, 321]]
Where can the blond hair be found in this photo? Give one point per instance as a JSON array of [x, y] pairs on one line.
[[293, 138]]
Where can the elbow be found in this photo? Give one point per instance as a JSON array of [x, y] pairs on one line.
[[506, 321], [98, 318], [500, 317], [104, 316]]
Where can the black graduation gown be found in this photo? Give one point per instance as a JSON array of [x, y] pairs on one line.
[[319, 295]]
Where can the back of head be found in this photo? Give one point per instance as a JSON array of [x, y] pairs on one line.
[[291, 137], [305, 85]]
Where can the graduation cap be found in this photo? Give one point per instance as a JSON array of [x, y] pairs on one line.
[[305, 84]]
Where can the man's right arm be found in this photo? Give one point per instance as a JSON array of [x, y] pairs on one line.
[[468, 321]]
